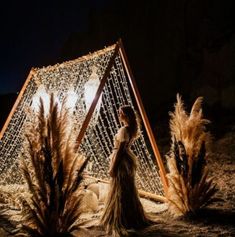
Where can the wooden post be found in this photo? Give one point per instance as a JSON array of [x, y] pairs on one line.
[[96, 98], [144, 116], [31, 73]]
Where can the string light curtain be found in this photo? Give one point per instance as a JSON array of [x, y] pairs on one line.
[[69, 79]]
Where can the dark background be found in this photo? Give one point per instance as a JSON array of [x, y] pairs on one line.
[[185, 46]]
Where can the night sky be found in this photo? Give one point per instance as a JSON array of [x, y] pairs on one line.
[[33, 33], [185, 46]]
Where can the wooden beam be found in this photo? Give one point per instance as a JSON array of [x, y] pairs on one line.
[[96, 98], [31, 73], [144, 116], [151, 196]]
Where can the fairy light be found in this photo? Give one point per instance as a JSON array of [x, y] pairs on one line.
[[71, 80], [71, 99], [90, 89], [44, 96]]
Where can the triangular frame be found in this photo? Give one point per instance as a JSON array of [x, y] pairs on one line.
[[118, 48]]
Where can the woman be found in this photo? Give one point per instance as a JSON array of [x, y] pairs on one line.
[[123, 210]]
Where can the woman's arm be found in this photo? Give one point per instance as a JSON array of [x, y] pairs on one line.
[[116, 159]]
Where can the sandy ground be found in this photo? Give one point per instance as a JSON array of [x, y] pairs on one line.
[[218, 219]]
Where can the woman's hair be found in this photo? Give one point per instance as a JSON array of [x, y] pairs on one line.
[[132, 119]]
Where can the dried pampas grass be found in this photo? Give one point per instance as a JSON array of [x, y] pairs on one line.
[[189, 185], [53, 174]]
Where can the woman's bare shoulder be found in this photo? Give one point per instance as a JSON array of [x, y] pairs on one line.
[[122, 134]]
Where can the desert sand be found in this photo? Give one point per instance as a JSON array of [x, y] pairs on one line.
[[218, 219]]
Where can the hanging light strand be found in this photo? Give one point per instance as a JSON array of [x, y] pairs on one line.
[[97, 145]]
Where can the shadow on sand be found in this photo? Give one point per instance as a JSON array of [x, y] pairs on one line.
[[215, 216], [206, 217]]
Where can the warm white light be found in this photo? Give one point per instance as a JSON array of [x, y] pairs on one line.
[[90, 88], [71, 99], [41, 93]]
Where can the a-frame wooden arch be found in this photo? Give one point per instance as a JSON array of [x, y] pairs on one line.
[[118, 49]]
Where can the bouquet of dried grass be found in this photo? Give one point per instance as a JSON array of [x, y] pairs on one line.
[[53, 174], [189, 185]]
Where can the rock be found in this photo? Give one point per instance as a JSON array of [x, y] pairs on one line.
[[95, 188], [103, 192], [89, 201]]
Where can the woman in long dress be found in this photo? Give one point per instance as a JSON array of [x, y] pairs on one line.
[[123, 210]]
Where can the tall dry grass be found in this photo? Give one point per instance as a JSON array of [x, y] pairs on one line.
[[190, 187], [53, 174]]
